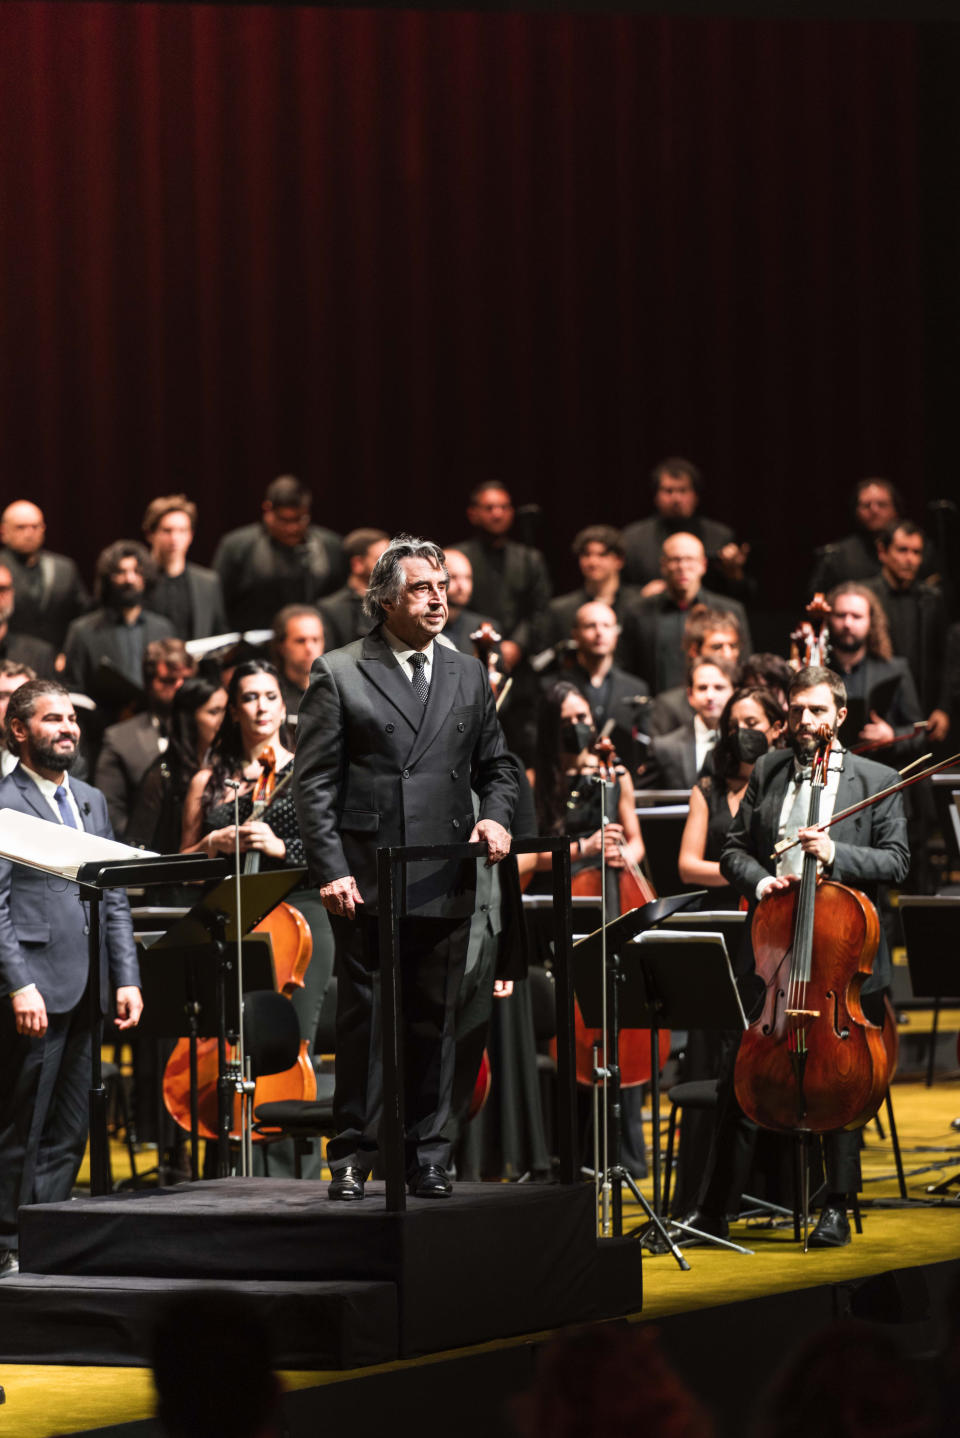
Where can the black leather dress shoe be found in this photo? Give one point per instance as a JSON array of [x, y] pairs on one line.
[[346, 1185], [832, 1230], [709, 1223], [430, 1181]]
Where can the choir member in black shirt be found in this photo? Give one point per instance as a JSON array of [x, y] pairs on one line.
[[190, 596], [298, 639], [677, 487], [282, 559], [917, 617], [343, 616], [49, 590], [510, 580]]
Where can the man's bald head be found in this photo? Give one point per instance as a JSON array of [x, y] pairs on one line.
[[460, 570], [683, 563], [21, 527], [595, 629]]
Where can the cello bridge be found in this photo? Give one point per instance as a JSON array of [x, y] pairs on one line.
[[802, 1013]]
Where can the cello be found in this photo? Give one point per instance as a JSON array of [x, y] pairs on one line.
[[812, 1062], [292, 946]]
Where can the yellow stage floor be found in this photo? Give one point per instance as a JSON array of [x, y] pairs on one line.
[[47, 1400]]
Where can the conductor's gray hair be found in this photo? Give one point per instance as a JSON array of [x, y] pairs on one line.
[[387, 582]]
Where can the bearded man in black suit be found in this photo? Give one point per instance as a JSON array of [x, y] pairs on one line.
[[865, 850], [396, 733]]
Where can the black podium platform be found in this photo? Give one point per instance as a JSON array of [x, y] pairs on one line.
[[495, 1260]]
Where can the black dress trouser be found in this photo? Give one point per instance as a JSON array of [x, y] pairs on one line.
[[433, 954]]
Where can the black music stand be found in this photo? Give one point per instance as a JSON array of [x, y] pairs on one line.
[[931, 929], [93, 879], [182, 992], [194, 959], [680, 981], [588, 971]]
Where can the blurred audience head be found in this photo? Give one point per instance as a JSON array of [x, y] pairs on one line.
[[850, 1380], [608, 1381], [213, 1368]]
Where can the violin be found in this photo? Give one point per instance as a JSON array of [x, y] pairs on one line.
[[634, 890], [485, 640], [812, 1061], [292, 945], [810, 641]]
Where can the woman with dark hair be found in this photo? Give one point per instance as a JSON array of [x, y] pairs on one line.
[[248, 747], [571, 798], [568, 793], [752, 722], [196, 714]]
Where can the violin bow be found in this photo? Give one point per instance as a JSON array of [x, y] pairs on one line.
[[786, 844]]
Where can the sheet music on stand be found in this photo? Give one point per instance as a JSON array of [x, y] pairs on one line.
[[57, 848]]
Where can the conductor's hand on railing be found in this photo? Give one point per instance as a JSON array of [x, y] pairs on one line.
[[341, 897], [496, 838]]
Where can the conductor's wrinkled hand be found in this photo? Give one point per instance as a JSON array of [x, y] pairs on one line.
[[341, 896], [496, 838]]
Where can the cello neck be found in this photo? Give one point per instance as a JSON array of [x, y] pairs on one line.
[[803, 925]]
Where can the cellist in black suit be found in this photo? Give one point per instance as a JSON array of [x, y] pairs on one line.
[[395, 734], [865, 850]]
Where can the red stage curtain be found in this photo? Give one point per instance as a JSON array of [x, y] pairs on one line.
[[391, 251]]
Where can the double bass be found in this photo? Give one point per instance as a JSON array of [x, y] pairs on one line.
[[812, 1062]]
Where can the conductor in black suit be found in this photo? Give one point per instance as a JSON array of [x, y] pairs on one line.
[[44, 1023], [396, 733]]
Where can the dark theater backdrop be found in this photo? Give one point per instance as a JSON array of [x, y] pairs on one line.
[[392, 252]]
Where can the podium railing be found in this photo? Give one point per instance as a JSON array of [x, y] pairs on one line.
[[391, 873]]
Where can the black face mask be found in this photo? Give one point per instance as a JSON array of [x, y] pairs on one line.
[[575, 736], [747, 745]]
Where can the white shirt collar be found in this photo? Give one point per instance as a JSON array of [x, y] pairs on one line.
[[403, 652], [46, 786], [48, 789]]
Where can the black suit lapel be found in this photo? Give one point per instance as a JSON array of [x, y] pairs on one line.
[[378, 663], [443, 689], [772, 803]]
